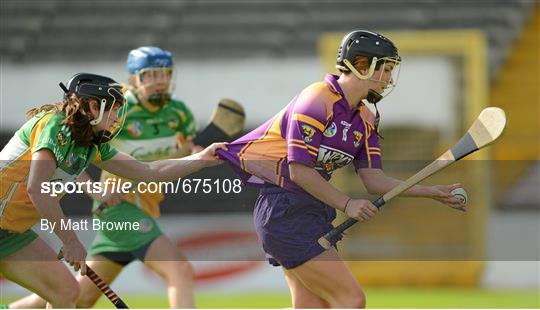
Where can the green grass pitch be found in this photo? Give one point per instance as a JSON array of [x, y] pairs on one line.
[[416, 297], [376, 298]]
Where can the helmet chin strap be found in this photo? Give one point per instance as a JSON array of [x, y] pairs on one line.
[[373, 97], [102, 136]]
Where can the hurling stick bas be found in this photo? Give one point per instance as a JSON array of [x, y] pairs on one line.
[[486, 128]]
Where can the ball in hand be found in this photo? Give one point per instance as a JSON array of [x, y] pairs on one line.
[[460, 194]]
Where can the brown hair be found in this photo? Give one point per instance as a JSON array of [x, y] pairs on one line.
[[363, 63], [76, 111]]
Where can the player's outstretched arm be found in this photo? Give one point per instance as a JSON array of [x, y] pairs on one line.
[[126, 166], [111, 198]]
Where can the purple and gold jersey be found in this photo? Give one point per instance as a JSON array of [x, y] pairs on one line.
[[317, 128]]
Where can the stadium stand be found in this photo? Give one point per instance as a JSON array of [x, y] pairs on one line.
[[37, 30]]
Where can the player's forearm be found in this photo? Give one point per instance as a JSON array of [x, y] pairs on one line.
[[378, 183], [126, 166], [313, 183], [172, 169]]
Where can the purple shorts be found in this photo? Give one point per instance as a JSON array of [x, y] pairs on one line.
[[289, 225]]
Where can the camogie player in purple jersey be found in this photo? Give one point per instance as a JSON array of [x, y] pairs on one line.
[[292, 156]]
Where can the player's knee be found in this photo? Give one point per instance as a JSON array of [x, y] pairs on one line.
[[309, 302], [360, 299], [352, 299], [66, 294], [357, 300]]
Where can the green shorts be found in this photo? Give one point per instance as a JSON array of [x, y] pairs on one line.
[[13, 242], [124, 240]]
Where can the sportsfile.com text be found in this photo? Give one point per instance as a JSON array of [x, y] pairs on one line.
[[113, 185]]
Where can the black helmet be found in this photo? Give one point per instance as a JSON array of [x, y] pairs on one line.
[[107, 92], [103, 89], [364, 43], [379, 50]]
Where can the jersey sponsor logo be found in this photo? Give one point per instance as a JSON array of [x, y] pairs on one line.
[[147, 149], [330, 159], [330, 131], [357, 138], [135, 128], [308, 132], [142, 153]]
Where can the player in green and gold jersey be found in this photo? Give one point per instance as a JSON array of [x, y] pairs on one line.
[[156, 127], [54, 146]]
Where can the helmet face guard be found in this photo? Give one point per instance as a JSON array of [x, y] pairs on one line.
[[383, 56], [152, 67], [385, 71], [115, 114], [150, 77], [113, 126]]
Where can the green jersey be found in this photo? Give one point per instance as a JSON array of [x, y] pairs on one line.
[[154, 135], [43, 131], [146, 136]]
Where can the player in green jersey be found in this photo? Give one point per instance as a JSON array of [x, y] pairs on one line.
[[54, 146], [156, 127]]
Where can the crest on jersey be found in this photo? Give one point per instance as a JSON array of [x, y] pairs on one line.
[[172, 123], [61, 137], [308, 132], [357, 138], [135, 128], [330, 131]]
